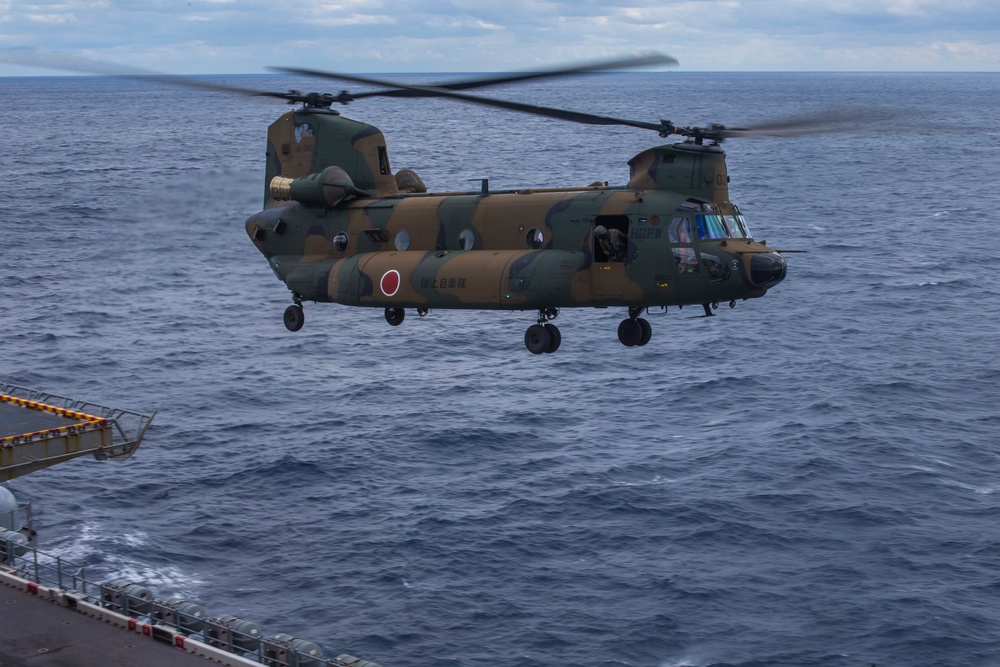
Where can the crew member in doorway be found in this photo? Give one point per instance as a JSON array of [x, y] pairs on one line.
[[612, 242]]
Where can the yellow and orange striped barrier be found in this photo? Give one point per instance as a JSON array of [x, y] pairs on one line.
[[86, 422]]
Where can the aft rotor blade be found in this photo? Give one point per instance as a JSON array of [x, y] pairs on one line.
[[432, 91], [648, 60], [82, 65]]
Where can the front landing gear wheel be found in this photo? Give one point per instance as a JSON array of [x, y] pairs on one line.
[[537, 339], [294, 318], [394, 316]]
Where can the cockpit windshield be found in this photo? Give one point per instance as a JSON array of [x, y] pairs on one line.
[[710, 221], [737, 226]]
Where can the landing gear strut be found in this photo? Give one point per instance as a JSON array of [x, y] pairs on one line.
[[634, 331], [295, 317], [543, 336]]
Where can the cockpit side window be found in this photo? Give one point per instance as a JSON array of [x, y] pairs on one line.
[[680, 230], [679, 234]]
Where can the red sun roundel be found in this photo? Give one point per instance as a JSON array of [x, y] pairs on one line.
[[390, 282]]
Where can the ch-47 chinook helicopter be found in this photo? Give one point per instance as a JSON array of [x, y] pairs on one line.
[[339, 226]]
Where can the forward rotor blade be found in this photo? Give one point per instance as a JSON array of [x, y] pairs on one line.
[[830, 122], [648, 60], [432, 91]]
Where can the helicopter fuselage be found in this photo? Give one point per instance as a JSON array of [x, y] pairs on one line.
[[339, 227], [515, 250]]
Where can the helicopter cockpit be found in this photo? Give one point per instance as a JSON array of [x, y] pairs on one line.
[[705, 222]]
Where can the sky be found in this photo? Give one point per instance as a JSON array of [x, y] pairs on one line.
[[391, 36]]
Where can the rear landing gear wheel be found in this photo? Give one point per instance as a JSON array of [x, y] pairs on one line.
[[394, 316], [647, 331], [537, 339], [630, 332], [555, 337], [294, 318]]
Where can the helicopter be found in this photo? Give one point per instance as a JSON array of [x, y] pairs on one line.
[[339, 226]]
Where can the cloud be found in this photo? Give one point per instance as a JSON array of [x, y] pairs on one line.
[[51, 19], [461, 23], [207, 36], [352, 20]]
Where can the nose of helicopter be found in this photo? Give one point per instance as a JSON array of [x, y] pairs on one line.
[[767, 269]]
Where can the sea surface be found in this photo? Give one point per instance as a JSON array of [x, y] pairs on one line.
[[809, 479]]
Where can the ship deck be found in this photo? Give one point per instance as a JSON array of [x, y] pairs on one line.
[[45, 634], [41, 430], [47, 616]]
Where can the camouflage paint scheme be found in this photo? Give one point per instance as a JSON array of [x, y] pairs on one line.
[[406, 248]]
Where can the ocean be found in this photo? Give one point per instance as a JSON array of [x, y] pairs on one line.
[[809, 479]]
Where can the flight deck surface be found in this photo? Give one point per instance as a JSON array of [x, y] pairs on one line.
[[19, 418], [45, 634]]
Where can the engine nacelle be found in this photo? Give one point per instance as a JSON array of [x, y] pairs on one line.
[[326, 188]]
